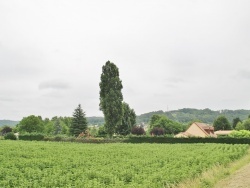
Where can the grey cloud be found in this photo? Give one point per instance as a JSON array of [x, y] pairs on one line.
[[175, 80], [244, 74], [164, 50], [54, 85], [14, 63]]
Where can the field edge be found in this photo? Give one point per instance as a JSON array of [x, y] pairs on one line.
[[215, 176]]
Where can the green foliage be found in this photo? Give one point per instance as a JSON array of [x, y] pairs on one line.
[[239, 126], [111, 97], [5, 130], [101, 131], [235, 122], [157, 131], [57, 127], [222, 123], [246, 124], [240, 134], [31, 124], [172, 140], [169, 126], [31, 136], [187, 115], [128, 120], [10, 136], [79, 122], [93, 131], [51, 164]]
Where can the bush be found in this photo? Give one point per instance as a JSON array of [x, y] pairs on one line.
[[240, 134], [5, 130], [9, 136], [157, 131], [31, 136], [138, 130]]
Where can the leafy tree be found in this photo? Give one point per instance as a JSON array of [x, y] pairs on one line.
[[222, 123], [154, 119], [137, 130], [93, 131], [31, 124], [169, 126], [57, 127], [49, 127], [235, 121], [157, 131], [239, 126], [79, 122], [101, 131], [246, 124], [5, 130], [111, 97], [46, 120], [10, 136], [128, 120]]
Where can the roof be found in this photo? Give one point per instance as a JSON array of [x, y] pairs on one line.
[[204, 126]]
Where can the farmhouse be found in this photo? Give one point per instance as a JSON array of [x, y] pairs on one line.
[[198, 130]]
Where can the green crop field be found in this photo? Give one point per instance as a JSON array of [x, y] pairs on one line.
[[51, 164]]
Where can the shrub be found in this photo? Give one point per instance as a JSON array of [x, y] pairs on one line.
[[10, 136], [31, 136], [138, 130], [5, 130], [157, 131], [240, 134]]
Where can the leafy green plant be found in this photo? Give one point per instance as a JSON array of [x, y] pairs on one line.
[[10, 136], [64, 164], [240, 134]]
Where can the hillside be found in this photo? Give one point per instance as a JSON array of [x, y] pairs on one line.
[[8, 122], [186, 115]]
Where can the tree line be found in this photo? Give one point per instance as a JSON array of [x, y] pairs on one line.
[[119, 117]]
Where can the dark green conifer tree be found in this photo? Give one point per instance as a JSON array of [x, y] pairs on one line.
[[79, 122]]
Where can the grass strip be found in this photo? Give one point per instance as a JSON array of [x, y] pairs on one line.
[[215, 176]]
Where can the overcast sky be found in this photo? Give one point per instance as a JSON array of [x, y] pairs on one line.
[[171, 54]]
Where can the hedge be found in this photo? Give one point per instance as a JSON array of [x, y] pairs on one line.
[[170, 140], [31, 136], [136, 139]]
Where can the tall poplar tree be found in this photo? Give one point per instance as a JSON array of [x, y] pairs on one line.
[[79, 122], [111, 97]]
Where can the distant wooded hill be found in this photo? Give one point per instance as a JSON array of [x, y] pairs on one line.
[[8, 122], [185, 115]]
